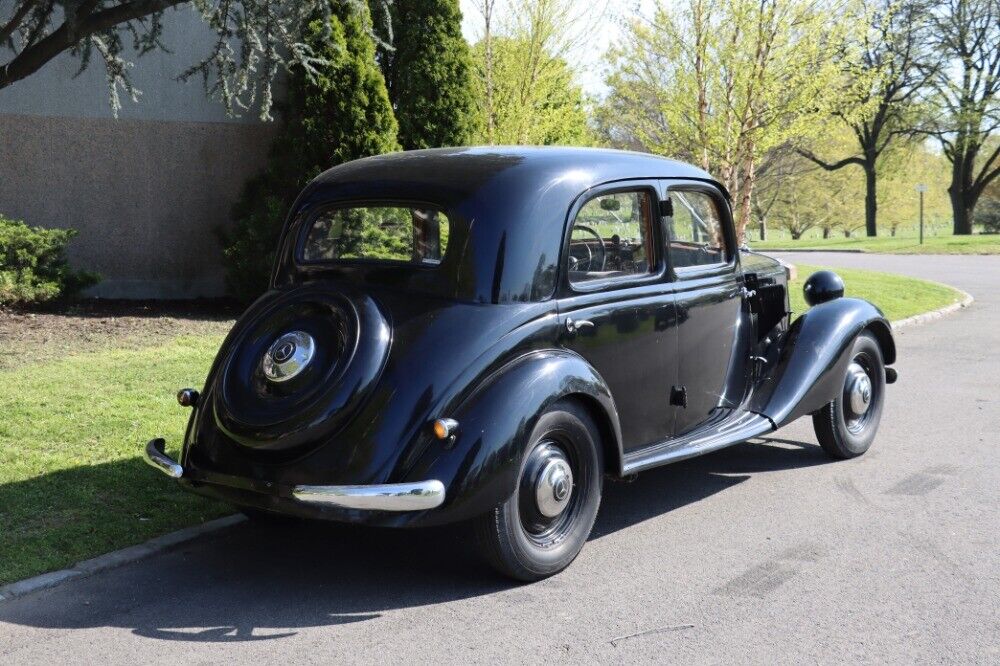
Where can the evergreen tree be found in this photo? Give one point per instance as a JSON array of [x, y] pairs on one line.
[[428, 71], [340, 113]]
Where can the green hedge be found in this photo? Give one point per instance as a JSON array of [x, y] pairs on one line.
[[33, 266]]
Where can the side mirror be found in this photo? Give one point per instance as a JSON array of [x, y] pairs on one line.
[[822, 286], [608, 203]]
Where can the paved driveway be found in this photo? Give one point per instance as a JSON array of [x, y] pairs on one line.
[[765, 552]]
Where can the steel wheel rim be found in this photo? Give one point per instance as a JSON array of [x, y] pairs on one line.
[[860, 394], [549, 496]]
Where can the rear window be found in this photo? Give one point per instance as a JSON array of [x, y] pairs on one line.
[[397, 234]]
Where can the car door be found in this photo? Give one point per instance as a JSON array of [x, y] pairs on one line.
[[713, 324], [616, 304]]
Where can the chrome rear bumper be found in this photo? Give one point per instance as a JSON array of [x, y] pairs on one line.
[[155, 456], [416, 496], [387, 497]]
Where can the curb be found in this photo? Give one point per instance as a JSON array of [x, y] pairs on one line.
[[933, 315], [115, 558]]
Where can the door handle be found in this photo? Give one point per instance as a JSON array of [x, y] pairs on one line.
[[573, 326]]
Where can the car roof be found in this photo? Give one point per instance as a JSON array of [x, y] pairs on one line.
[[507, 205], [471, 168]]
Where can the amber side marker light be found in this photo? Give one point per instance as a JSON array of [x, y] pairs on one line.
[[445, 428]]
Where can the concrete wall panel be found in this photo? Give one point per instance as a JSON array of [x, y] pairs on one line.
[[146, 195]]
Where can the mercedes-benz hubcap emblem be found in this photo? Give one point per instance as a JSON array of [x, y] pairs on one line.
[[288, 356], [284, 352]]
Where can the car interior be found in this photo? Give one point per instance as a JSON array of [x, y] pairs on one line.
[[611, 235]]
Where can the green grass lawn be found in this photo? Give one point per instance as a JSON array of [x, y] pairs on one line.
[[943, 244], [72, 484], [897, 296]]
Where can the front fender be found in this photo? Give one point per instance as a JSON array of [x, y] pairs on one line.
[[808, 366], [495, 421]]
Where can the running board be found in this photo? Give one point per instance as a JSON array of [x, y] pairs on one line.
[[739, 427]]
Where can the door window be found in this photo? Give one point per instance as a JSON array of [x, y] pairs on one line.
[[695, 235], [611, 237]]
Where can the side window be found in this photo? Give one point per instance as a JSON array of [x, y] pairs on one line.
[[611, 237], [695, 233]]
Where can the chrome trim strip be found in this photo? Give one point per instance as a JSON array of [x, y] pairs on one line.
[[155, 457], [386, 497]]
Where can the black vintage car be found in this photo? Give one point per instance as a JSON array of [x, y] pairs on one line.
[[484, 334]]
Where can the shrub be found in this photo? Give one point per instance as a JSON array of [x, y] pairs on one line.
[[988, 215], [33, 266], [340, 114]]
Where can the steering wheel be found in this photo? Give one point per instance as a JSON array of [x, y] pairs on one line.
[[589, 264]]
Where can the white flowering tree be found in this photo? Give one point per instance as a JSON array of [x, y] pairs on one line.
[[255, 39]]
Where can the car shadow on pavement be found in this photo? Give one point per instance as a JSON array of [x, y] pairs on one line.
[[265, 582], [661, 490]]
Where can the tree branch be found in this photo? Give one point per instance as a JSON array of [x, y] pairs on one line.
[[987, 174], [15, 21], [809, 155], [72, 31]]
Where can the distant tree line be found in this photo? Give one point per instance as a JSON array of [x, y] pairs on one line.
[[802, 108], [757, 90]]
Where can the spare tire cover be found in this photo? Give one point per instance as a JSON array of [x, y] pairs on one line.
[[348, 340]]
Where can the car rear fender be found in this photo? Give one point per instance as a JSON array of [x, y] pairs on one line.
[[495, 421], [805, 369]]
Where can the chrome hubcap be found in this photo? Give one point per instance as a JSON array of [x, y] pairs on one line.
[[288, 356], [554, 485], [858, 388]]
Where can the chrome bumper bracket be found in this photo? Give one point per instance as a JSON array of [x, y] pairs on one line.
[[387, 497], [155, 457]]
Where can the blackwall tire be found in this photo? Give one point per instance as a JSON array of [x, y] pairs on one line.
[[842, 430], [516, 538], [352, 342]]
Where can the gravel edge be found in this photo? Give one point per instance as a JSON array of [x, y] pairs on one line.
[[115, 558]]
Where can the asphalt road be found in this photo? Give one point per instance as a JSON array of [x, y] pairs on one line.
[[765, 552]]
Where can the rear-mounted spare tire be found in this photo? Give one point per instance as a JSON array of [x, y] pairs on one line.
[[324, 350]]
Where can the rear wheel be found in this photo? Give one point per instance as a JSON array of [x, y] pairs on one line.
[[544, 524], [846, 426]]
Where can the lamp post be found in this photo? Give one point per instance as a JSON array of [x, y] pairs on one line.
[[921, 188]]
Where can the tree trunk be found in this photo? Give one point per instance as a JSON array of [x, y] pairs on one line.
[[962, 191], [487, 10], [796, 235], [961, 212], [871, 198], [746, 196], [826, 232], [763, 229]]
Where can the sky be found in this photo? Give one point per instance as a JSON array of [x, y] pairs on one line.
[[588, 61]]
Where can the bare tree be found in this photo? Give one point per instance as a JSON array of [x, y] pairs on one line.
[[894, 53], [967, 96]]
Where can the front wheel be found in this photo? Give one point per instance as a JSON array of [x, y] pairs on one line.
[[543, 525], [846, 426]]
